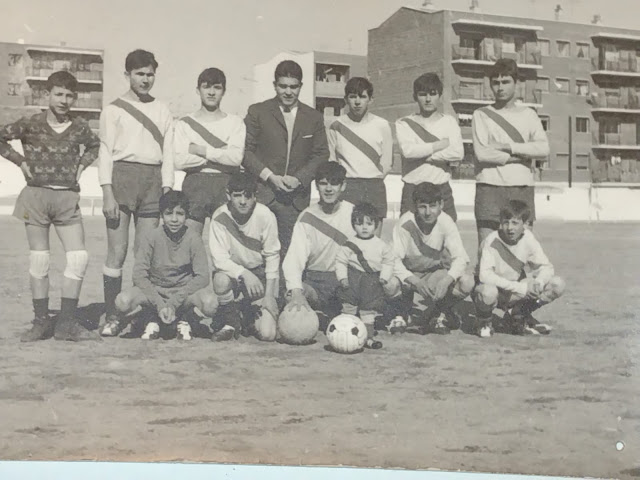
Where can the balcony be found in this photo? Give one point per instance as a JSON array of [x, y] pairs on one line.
[[83, 76], [614, 141], [81, 104], [496, 25], [531, 59], [480, 94], [615, 101], [65, 50], [330, 89], [624, 66]]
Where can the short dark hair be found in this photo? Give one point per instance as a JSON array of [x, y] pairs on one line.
[[62, 79], [365, 209], [173, 199], [427, 82], [426, 193], [288, 68], [504, 67], [358, 85], [212, 76], [139, 59], [332, 172], [242, 182], [515, 209]]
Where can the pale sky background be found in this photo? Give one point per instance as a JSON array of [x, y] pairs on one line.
[[190, 35]]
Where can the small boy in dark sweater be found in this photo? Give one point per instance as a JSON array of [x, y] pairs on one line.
[[53, 143], [170, 274]]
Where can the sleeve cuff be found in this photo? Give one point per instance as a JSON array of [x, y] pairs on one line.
[[265, 174]]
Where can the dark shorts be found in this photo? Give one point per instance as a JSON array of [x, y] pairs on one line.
[[406, 204], [206, 192], [240, 289], [41, 206], [491, 198], [137, 188], [365, 291], [321, 291], [371, 190]]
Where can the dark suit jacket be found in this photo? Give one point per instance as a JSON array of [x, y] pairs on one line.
[[266, 146]]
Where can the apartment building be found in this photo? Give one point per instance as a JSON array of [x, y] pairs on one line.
[[24, 70], [583, 80], [324, 77]]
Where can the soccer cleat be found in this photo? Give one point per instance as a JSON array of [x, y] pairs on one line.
[[225, 334], [397, 325], [184, 331], [485, 331], [373, 344], [437, 325], [227, 314], [42, 329], [453, 321], [151, 331], [71, 331], [516, 325], [539, 328], [113, 326]]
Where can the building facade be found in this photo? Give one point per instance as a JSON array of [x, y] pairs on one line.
[[324, 77], [583, 80], [24, 72]]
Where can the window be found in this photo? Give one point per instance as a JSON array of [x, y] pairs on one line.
[[542, 84], [582, 88], [561, 161], [13, 90], [545, 49], [546, 122], [564, 48], [582, 50], [15, 59], [508, 44], [562, 85], [582, 125], [582, 161], [610, 125]]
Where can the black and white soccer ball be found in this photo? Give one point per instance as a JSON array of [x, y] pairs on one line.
[[346, 334]]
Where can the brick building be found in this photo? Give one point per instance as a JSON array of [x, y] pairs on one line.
[[586, 74]]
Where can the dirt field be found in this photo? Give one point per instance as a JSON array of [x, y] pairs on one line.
[[552, 405]]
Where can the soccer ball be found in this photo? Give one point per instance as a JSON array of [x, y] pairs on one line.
[[298, 328], [346, 334], [266, 328]]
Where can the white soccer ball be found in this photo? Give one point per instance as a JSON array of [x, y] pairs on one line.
[[346, 334]]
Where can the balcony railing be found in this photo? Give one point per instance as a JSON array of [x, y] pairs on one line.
[[80, 103], [481, 94], [616, 100], [528, 56], [614, 140], [330, 89], [626, 64], [81, 75]]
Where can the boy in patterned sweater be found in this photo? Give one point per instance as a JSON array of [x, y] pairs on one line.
[[504, 283], [52, 165], [171, 274], [365, 267]]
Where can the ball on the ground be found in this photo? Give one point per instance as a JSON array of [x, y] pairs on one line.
[[346, 334], [298, 327], [266, 326]]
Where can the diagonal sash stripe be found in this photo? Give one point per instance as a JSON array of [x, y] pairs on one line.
[[357, 142], [212, 140], [425, 249], [324, 228], [509, 258], [424, 134], [363, 261], [146, 122], [503, 123], [232, 227]]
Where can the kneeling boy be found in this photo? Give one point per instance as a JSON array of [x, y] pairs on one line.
[[170, 274], [428, 242], [365, 269], [504, 282], [245, 251]]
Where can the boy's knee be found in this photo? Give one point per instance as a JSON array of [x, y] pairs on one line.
[[123, 302], [77, 262], [557, 286], [464, 286], [39, 262], [209, 304], [486, 294], [222, 283], [392, 288]]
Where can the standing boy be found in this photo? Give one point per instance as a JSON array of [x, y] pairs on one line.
[[430, 143], [428, 242], [135, 166], [507, 139], [286, 141], [504, 283], [170, 274], [52, 165], [245, 251], [363, 144], [209, 145]]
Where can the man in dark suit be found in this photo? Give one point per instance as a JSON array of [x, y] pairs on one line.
[[286, 141]]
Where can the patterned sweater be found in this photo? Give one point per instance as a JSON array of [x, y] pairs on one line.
[[53, 158]]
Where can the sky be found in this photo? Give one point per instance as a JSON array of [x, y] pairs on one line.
[[190, 35]]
